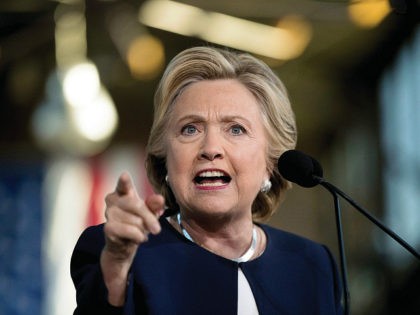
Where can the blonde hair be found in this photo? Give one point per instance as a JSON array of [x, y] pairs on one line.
[[209, 63]]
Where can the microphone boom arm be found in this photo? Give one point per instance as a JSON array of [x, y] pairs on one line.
[[378, 223]]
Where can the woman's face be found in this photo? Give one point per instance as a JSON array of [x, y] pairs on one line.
[[216, 148]]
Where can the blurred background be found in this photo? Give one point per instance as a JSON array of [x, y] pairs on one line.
[[77, 79]]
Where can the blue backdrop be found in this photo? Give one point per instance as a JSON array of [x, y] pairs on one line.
[[21, 279]]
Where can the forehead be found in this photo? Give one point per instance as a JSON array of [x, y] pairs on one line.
[[227, 96]]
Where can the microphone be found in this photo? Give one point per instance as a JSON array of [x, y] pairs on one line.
[[304, 170], [299, 168]]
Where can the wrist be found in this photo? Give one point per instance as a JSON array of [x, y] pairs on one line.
[[115, 276]]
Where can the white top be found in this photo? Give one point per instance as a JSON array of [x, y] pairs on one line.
[[246, 300]]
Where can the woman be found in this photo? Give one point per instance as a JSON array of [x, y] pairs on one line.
[[221, 121]]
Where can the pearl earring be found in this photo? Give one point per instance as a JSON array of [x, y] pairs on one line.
[[266, 186], [167, 179]]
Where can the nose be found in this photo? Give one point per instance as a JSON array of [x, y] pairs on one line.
[[211, 147]]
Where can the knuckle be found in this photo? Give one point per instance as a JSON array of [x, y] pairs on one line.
[[139, 205], [110, 213], [141, 237], [110, 199], [109, 231]]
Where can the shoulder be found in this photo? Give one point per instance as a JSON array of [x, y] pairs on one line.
[[92, 238], [280, 242], [88, 247], [286, 240]]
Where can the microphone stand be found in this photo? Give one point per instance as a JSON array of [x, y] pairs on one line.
[[343, 265], [374, 220]]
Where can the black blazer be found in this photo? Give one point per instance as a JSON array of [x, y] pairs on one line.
[[171, 275]]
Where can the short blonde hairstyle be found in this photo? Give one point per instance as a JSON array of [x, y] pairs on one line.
[[209, 63]]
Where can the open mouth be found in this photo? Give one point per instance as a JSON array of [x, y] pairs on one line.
[[212, 178]]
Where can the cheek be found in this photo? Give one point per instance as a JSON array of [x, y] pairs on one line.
[[256, 154], [178, 159], [253, 164]]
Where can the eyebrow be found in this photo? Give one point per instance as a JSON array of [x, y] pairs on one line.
[[224, 118], [194, 117]]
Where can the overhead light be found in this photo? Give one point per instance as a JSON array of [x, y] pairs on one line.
[[91, 108], [145, 57], [81, 84], [70, 35], [274, 42], [97, 120], [368, 13], [172, 16], [85, 118], [78, 126], [143, 53]]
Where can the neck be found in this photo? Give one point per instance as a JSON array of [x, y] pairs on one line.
[[237, 242]]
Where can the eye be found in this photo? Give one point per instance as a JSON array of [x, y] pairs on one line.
[[237, 130], [189, 130]]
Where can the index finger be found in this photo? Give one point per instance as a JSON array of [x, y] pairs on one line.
[[124, 184]]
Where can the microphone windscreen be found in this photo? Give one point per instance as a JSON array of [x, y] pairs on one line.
[[300, 168]]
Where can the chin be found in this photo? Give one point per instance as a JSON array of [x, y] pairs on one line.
[[214, 211]]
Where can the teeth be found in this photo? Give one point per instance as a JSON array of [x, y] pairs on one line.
[[211, 174], [212, 178], [212, 184]]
